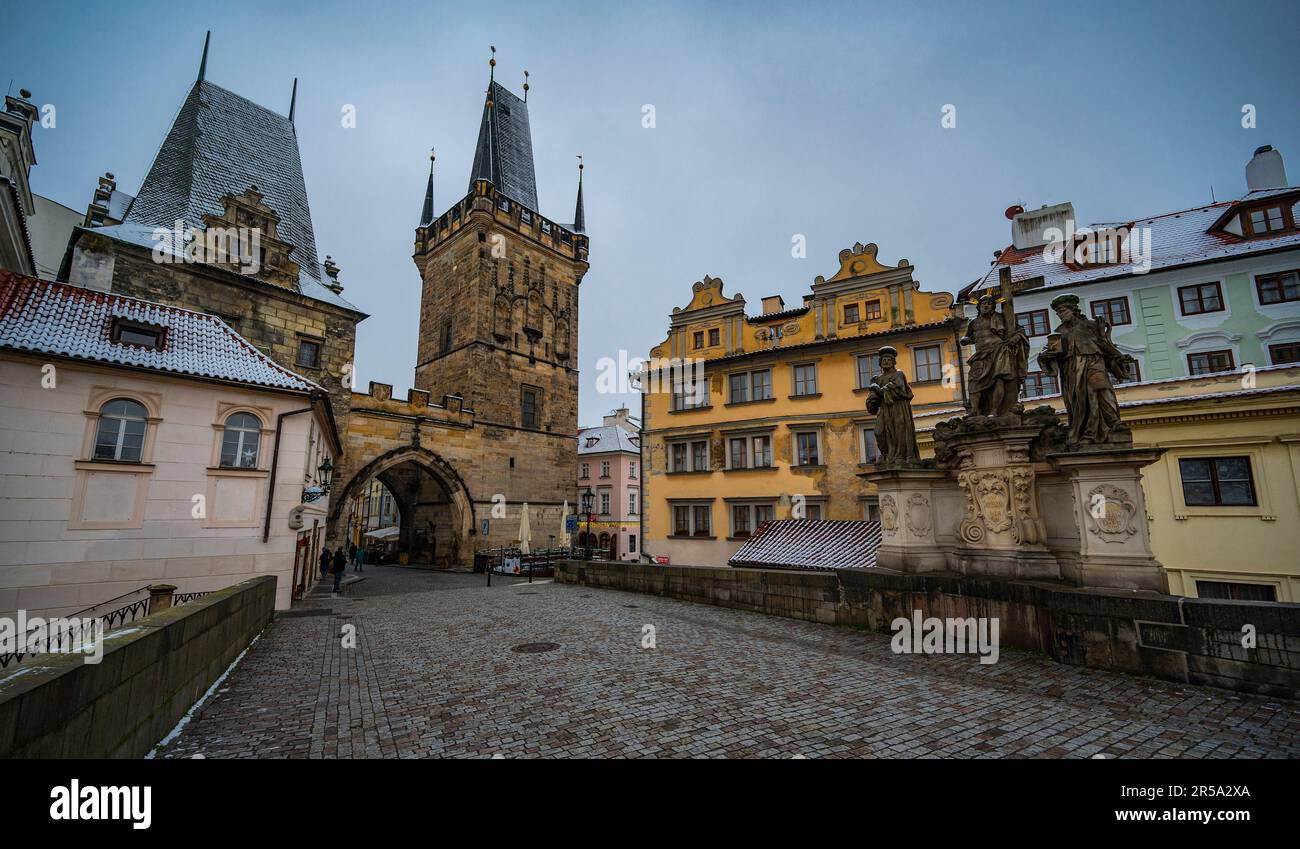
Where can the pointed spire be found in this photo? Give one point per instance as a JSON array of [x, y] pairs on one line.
[[293, 99], [426, 215], [579, 216], [203, 63]]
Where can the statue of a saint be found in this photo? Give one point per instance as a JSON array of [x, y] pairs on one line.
[[1084, 359], [1001, 359], [889, 399]]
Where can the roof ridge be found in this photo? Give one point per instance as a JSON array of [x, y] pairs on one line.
[[247, 100]]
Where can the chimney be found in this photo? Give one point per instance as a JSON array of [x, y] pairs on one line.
[[1027, 227], [620, 418], [1265, 169], [773, 303]]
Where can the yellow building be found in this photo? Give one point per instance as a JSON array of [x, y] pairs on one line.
[[1223, 501], [749, 418]]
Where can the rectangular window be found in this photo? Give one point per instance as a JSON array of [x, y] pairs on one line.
[[691, 395], [812, 512], [631, 542], [871, 510], [1278, 288], [631, 471], [740, 515], [530, 407], [927, 364], [1267, 220], [1114, 310], [1235, 591], [713, 336], [806, 448], [739, 388], [631, 503], [851, 314], [1217, 482], [761, 384], [1133, 372], [679, 458], [700, 456], [141, 335], [739, 453], [1040, 383], [872, 312], [1034, 322], [805, 379], [1287, 352], [762, 451], [868, 367], [604, 468], [604, 502], [586, 471], [870, 450], [699, 339], [701, 514], [1201, 298], [681, 520], [1209, 362], [308, 353]]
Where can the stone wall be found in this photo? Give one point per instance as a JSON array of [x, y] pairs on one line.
[[1197, 641], [153, 671]]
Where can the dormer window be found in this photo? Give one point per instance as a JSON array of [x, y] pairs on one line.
[[138, 333], [1256, 223]]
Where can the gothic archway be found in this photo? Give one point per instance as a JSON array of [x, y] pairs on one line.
[[437, 513]]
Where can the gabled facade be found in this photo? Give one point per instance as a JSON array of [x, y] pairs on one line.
[[226, 166], [609, 466], [1217, 289], [768, 419]]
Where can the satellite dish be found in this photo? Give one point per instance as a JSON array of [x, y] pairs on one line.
[[1013, 211]]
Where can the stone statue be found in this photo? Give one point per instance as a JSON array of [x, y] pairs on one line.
[[1001, 359], [889, 399], [1084, 359]]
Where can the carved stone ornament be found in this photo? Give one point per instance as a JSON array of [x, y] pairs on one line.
[[918, 515], [988, 503], [1111, 512], [889, 515]]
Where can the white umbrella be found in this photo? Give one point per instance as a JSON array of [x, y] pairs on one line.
[[564, 524], [525, 532]]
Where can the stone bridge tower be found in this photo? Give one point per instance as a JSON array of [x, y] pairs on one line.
[[492, 421]]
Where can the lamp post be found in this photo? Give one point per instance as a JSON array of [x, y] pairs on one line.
[[588, 503]]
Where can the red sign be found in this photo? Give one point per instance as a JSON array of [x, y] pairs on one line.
[[662, 560]]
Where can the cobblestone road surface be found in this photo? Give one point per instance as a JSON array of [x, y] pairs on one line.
[[434, 674]]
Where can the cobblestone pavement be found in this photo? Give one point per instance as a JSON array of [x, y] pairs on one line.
[[433, 674]]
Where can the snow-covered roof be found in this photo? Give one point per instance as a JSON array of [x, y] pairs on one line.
[[1178, 238], [56, 319], [607, 438], [804, 544]]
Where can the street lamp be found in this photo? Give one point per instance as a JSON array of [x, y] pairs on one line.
[[588, 504], [324, 474]]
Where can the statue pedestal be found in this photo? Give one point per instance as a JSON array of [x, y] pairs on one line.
[[1111, 515], [909, 519], [1002, 533]]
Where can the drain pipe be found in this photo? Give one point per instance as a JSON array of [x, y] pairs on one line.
[[275, 463]]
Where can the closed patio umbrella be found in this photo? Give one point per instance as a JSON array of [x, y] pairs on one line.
[[525, 532]]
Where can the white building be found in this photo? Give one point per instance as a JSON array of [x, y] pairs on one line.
[[142, 443]]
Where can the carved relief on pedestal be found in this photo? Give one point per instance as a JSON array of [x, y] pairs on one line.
[[918, 515], [988, 503], [1111, 511], [888, 515], [1028, 529]]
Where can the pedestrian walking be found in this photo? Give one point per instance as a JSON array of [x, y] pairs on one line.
[[325, 560], [340, 564], [359, 559]]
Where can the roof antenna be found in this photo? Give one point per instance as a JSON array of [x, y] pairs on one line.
[[293, 99], [525, 86], [1212, 200], [203, 63]]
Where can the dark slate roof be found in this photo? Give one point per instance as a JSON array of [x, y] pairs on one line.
[[55, 319], [504, 154], [221, 143], [804, 544]]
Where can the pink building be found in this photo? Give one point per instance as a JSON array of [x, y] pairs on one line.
[[609, 464]]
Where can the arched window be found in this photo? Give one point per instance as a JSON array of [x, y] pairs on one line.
[[239, 442], [120, 435]]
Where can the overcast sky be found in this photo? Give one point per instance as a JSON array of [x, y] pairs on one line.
[[771, 120]]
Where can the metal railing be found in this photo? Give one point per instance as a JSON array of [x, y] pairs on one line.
[[160, 597]]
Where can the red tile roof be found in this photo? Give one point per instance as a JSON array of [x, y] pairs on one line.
[[56, 319], [804, 544]]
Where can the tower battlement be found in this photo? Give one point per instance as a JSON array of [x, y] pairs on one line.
[[485, 204]]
